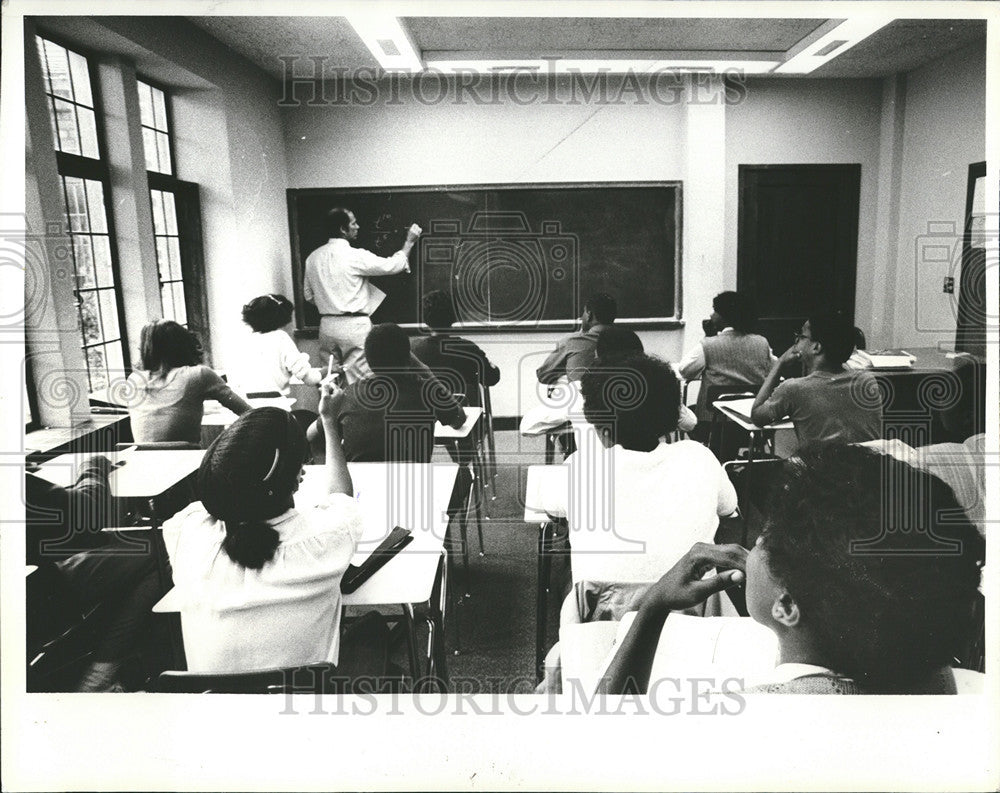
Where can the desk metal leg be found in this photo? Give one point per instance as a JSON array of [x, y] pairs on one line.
[[411, 640], [545, 535]]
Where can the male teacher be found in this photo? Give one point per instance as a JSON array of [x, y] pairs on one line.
[[336, 280]]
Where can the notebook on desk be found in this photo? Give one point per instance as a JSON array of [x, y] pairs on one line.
[[741, 407]]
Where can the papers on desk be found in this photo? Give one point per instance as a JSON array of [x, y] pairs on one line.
[[887, 359], [741, 407]]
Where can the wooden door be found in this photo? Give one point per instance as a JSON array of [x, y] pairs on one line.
[[798, 243]]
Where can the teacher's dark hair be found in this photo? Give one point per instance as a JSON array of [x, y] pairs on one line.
[[247, 476], [163, 344], [881, 560], [339, 221]]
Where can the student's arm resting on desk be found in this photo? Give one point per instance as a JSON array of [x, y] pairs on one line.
[[681, 587], [766, 410], [338, 478], [214, 387], [554, 366]]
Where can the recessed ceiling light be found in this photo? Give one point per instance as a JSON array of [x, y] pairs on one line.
[[833, 44], [387, 39]]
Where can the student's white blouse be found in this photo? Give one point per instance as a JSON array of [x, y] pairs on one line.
[[268, 361], [285, 614]]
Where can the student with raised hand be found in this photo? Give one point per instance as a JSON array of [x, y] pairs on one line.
[[458, 363], [166, 397], [259, 578], [830, 404], [270, 358], [858, 607]]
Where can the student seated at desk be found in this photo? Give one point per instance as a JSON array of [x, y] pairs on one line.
[[662, 496], [730, 355], [457, 362], [270, 358], [575, 353], [390, 416], [830, 404], [166, 397], [59, 523], [855, 608], [257, 578]]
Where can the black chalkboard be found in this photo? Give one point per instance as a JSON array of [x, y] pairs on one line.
[[517, 257]]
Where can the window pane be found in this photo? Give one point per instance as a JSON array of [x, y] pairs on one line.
[[84, 255], [163, 147], [145, 105], [149, 149], [90, 318], [102, 261], [28, 418], [175, 259], [167, 301], [76, 204], [55, 126], [163, 258], [115, 362], [98, 373], [180, 312], [58, 67], [170, 213], [159, 109], [109, 315], [95, 201], [88, 133], [159, 226], [81, 79], [69, 138]]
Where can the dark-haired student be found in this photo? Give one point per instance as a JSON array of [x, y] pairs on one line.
[[390, 416], [458, 363], [574, 354], [336, 281], [831, 404], [269, 357], [259, 579], [166, 397], [888, 620], [733, 355]]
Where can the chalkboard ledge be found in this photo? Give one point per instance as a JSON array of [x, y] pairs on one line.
[[564, 326]]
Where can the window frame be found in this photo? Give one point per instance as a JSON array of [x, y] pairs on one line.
[[168, 109], [81, 167]]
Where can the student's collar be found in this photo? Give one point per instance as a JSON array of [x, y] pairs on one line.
[[729, 329]]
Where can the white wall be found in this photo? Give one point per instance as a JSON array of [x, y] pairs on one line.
[[944, 133]]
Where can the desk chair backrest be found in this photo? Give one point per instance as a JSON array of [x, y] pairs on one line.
[[754, 483]]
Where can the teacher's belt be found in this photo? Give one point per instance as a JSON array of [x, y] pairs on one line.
[[347, 314]]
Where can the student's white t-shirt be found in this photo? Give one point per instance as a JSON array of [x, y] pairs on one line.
[[633, 514], [268, 361], [287, 613]]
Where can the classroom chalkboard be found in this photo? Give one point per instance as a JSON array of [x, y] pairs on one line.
[[517, 257]]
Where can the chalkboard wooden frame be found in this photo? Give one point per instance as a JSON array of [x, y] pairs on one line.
[[674, 320]]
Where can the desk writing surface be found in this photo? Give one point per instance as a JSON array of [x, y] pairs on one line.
[[216, 415], [411, 495], [145, 473], [542, 480], [472, 414], [738, 411]]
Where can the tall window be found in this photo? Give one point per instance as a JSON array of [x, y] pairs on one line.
[[157, 146], [84, 174]]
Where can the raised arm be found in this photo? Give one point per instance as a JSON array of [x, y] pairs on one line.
[[766, 410], [338, 478], [368, 263], [682, 586]]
